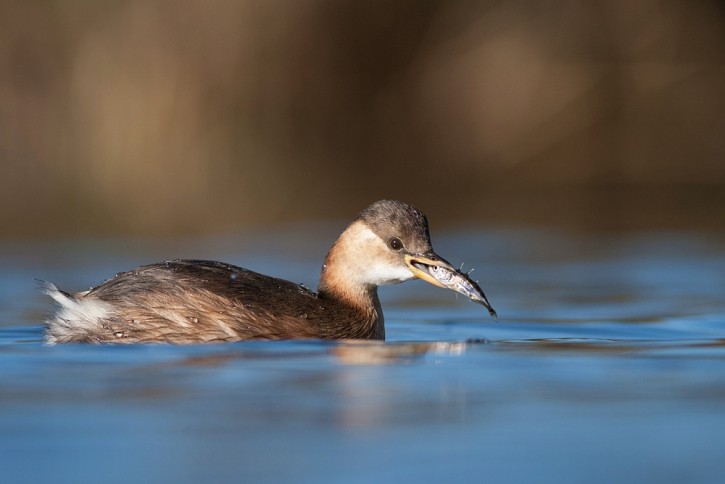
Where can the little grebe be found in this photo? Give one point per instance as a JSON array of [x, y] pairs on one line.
[[194, 301]]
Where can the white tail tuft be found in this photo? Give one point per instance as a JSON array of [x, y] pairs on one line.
[[76, 318]]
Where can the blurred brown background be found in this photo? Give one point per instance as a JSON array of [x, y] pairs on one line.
[[188, 116]]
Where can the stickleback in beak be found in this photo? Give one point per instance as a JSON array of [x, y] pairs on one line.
[[437, 271]]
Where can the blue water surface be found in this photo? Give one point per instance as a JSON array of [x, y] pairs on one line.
[[607, 365]]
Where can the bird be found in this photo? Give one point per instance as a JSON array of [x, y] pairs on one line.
[[203, 301]]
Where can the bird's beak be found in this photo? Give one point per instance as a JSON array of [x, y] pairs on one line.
[[419, 265], [437, 271]]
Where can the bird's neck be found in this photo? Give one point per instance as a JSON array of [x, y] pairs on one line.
[[339, 282]]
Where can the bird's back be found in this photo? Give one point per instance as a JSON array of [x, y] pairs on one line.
[[191, 301]]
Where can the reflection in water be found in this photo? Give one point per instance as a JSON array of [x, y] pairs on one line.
[[389, 402], [377, 353]]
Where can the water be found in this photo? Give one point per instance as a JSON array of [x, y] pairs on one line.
[[608, 365]]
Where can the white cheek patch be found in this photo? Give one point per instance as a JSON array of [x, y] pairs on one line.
[[380, 271], [385, 274]]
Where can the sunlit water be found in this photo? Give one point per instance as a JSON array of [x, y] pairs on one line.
[[608, 365]]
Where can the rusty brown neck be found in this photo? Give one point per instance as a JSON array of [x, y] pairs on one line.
[[362, 299]]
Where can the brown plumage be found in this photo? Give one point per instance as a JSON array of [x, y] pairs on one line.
[[194, 301]]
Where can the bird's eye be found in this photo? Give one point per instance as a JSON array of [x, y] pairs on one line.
[[395, 244]]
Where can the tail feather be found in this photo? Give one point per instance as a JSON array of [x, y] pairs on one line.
[[50, 289], [76, 319]]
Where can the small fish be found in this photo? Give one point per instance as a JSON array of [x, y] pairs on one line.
[[461, 283]]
